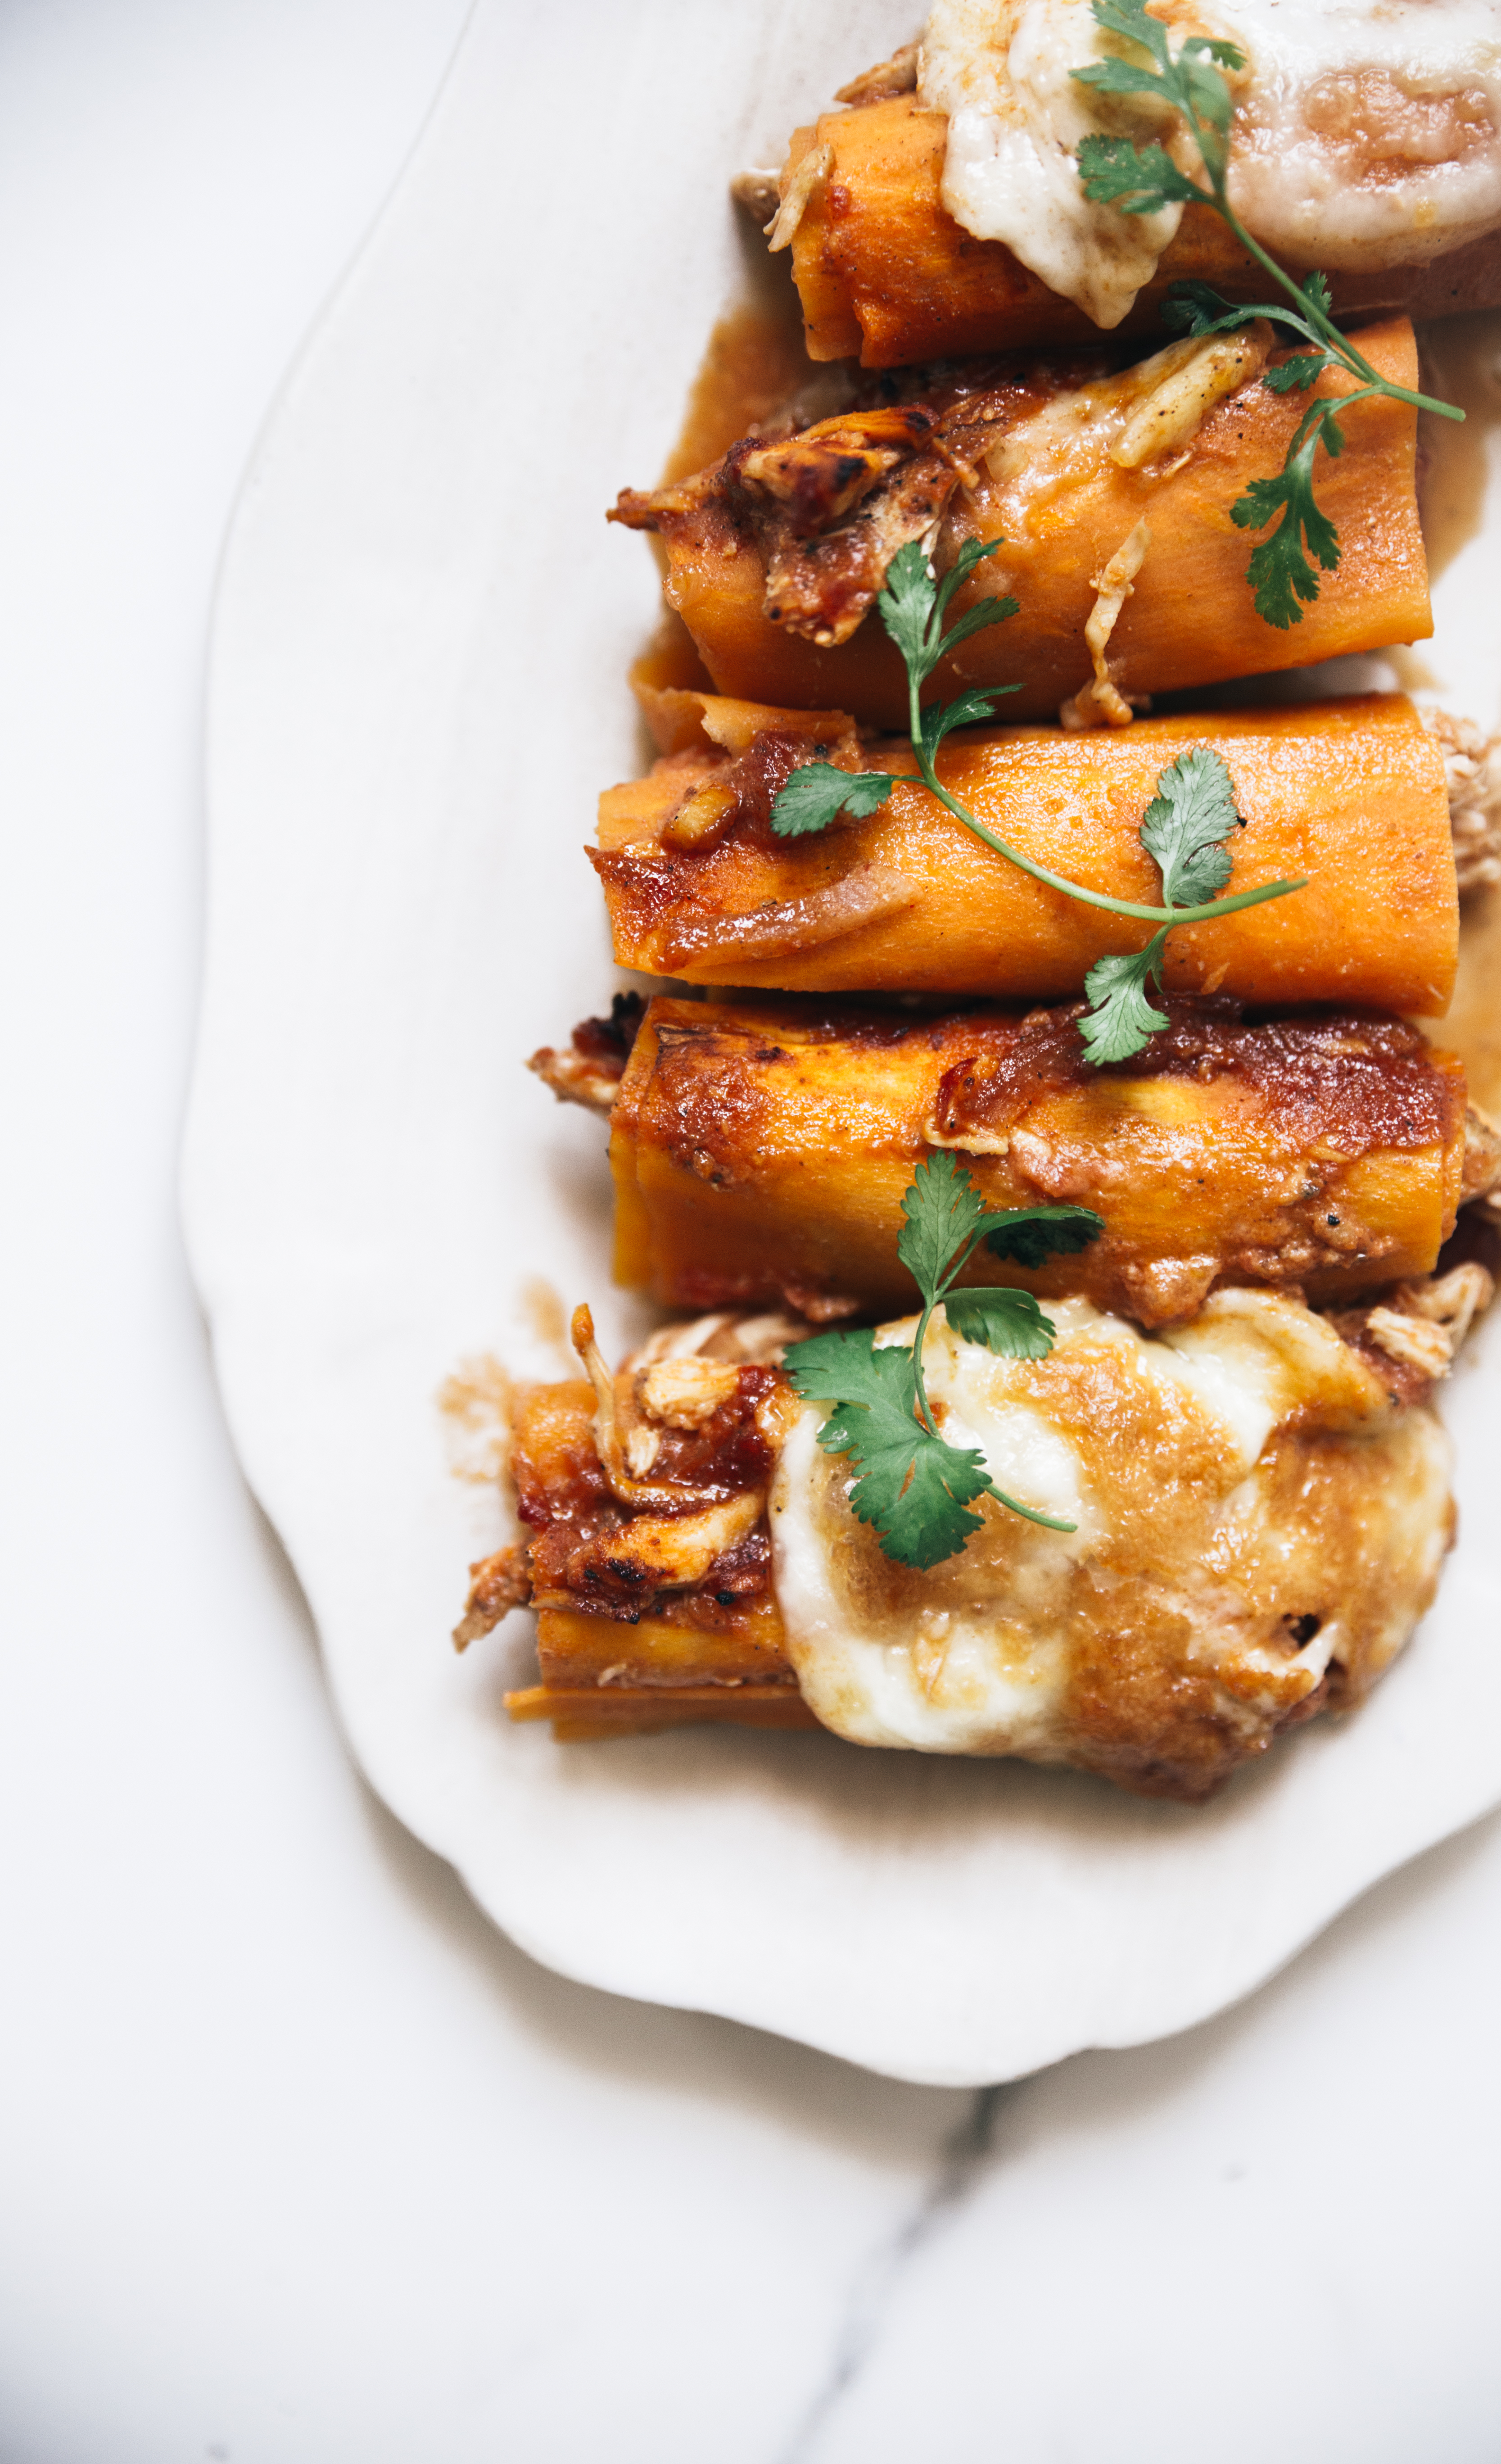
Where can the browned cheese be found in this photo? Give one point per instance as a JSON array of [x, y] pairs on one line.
[[775, 553], [1237, 1566], [761, 1149]]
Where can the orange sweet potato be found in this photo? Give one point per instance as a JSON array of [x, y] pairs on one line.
[[790, 620], [761, 1151], [886, 273], [1348, 795]]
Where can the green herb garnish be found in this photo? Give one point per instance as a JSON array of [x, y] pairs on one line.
[[1143, 179], [913, 1487], [912, 608], [1184, 830]]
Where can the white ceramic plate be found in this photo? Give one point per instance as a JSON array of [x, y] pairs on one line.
[[416, 692]]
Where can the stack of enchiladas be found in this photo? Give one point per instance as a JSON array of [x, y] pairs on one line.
[[1211, 1495]]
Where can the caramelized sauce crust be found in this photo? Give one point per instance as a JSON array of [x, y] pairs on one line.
[[565, 1501], [1357, 1080]]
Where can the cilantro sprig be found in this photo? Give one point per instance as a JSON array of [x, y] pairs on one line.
[[912, 1487], [912, 608], [1143, 179], [1185, 830]]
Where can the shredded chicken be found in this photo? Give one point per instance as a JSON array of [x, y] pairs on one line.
[[722, 1335], [820, 479], [672, 1553], [814, 168], [642, 1447], [829, 504], [891, 468], [590, 1071], [498, 1585], [702, 1335], [1100, 703], [1423, 1324], [885, 81], [1472, 769], [1169, 419], [1412, 1340], [820, 1308], [684, 1393], [702, 818], [611, 1433], [577, 1078], [823, 589], [676, 1385], [765, 1339], [1481, 1169]]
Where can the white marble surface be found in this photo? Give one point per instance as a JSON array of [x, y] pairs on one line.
[[301, 2164]]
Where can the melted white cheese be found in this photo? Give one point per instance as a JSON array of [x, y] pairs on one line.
[[978, 1656], [1367, 133], [1002, 71]]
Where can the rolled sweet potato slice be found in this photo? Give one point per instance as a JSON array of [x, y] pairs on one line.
[[777, 554], [761, 1151], [623, 1645], [885, 272], [1257, 1512], [1349, 795]]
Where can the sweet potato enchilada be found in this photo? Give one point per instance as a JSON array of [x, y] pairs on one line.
[[1046, 1134]]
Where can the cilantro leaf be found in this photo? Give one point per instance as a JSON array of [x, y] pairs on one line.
[[943, 1211], [1186, 824], [1224, 55], [1030, 1235], [969, 709], [971, 552], [913, 1489], [907, 606], [1191, 81], [913, 605], [1191, 77], [1198, 78], [1128, 19], [1184, 830], [1006, 1321], [974, 620], [927, 1519], [844, 1368], [1143, 179], [1134, 179], [946, 1216], [817, 793], [1297, 374], [1280, 571], [1119, 77], [1192, 307], [911, 1484], [1121, 1019]]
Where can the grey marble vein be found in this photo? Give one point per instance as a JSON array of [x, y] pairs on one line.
[[961, 2157]]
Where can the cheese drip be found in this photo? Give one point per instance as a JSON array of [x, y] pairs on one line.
[[1252, 1515], [1367, 133]]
